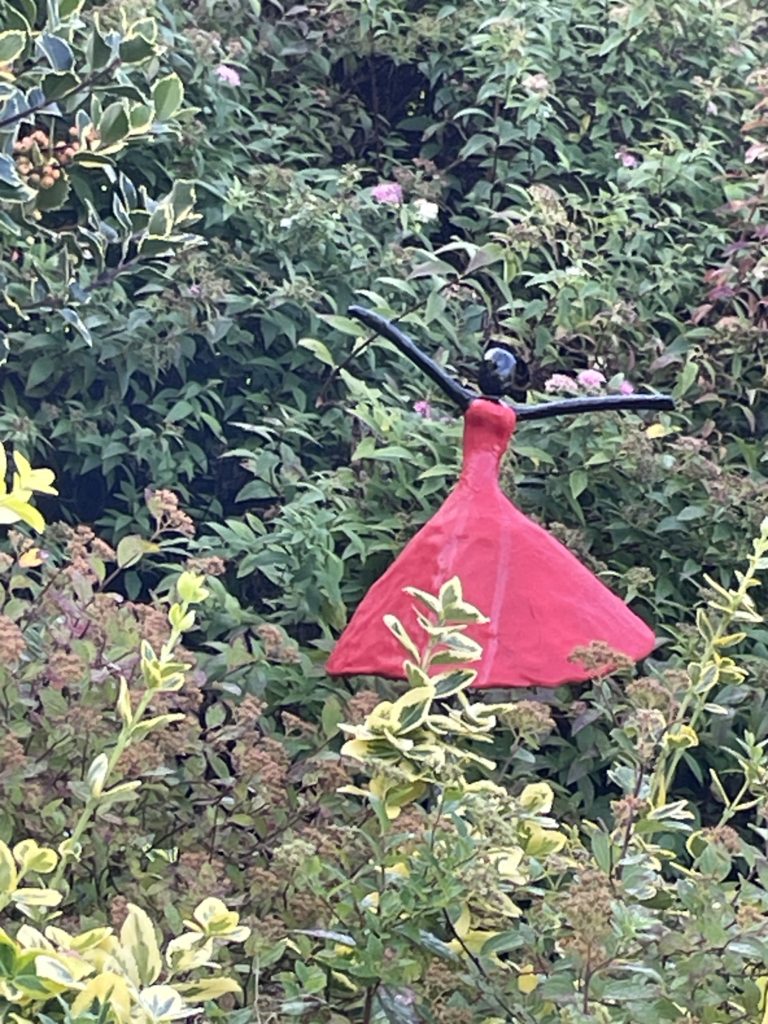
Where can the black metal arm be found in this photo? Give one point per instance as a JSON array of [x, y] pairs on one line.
[[456, 392], [463, 396], [593, 403]]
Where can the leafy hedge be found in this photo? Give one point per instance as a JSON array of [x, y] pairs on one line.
[[577, 160], [190, 197]]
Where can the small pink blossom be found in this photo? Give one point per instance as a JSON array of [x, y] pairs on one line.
[[625, 158], [757, 151], [711, 107], [626, 388], [423, 408], [388, 192], [227, 74], [590, 380], [561, 382]]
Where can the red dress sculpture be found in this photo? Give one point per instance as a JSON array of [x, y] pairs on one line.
[[541, 601]]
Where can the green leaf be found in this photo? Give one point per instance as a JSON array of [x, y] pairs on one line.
[[23, 14], [142, 116], [449, 683], [130, 550], [136, 50], [578, 481], [11, 45], [53, 198], [331, 715], [321, 350], [343, 324], [399, 1005], [57, 51], [99, 51], [8, 173], [451, 593], [70, 317], [182, 200], [167, 96], [115, 124], [57, 83], [41, 370], [68, 8]]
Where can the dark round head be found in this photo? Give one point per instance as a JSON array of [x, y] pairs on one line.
[[503, 372]]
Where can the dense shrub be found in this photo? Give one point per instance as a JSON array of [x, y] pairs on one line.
[[423, 870], [190, 196], [561, 173]]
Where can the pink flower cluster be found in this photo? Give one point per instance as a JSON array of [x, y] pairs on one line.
[[585, 380], [625, 158], [227, 74], [388, 192]]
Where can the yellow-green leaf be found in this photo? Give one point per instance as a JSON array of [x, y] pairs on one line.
[[527, 981], [9, 876], [681, 737], [32, 896], [189, 587], [398, 630], [138, 936], [107, 989], [97, 775], [31, 857], [209, 988], [537, 798], [56, 974], [124, 708]]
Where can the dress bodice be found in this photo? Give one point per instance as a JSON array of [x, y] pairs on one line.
[[488, 426]]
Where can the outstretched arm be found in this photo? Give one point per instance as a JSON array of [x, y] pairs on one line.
[[456, 392], [596, 403], [463, 396]]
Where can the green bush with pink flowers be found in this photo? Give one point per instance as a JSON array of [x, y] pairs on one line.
[[195, 821]]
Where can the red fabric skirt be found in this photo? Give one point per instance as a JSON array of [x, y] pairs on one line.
[[541, 601]]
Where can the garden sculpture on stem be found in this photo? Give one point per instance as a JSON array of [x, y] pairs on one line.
[[542, 604]]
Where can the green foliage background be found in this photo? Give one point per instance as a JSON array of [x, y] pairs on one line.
[[174, 318], [202, 358]]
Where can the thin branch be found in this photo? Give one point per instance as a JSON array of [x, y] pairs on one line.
[[85, 84]]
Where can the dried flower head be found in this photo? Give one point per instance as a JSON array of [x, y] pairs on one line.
[[12, 643], [599, 657], [361, 705], [587, 908], [164, 508], [65, 668], [248, 712]]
